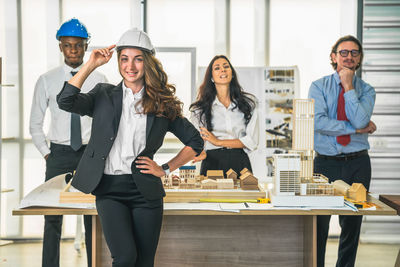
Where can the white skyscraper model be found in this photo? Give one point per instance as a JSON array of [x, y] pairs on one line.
[[295, 184], [303, 136]]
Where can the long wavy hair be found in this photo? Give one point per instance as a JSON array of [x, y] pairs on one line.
[[159, 96], [207, 93]]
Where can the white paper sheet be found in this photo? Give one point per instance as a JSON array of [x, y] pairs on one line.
[[192, 206], [232, 207], [48, 195]]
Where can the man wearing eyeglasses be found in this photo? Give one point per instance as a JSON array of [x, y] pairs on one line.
[[343, 109], [68, 133]]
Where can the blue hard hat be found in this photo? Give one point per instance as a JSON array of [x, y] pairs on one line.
[[74, 28]]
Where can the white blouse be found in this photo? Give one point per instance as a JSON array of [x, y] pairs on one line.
[[229, 123], [131, 136]]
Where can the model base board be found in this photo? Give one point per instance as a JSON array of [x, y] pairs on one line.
[[177, 195]]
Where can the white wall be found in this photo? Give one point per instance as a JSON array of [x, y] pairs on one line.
[[303, 32]]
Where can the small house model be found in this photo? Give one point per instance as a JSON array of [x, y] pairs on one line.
[[186, 172], [357, 192], [175, 180], [225, 184], [231, 174], [209, 184], [244, 171], [215, 174], [248, 181]]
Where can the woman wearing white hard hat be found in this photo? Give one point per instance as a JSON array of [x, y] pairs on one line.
[[226, 117], [130, 121]]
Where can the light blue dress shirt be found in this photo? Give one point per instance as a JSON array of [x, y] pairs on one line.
[[359, 104]]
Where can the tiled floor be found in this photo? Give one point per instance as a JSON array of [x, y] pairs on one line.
[[29, 255]]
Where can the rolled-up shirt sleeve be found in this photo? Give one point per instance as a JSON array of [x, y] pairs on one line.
[[250, 140], [195, 119]]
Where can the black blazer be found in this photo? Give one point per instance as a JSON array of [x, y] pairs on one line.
[[104, 104]]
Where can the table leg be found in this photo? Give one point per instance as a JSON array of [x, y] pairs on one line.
[[100, 253], [310, 241]]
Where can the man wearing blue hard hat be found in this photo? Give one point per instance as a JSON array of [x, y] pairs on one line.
[[68, 133]]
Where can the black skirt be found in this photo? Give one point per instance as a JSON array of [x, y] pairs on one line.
[[225, 159]]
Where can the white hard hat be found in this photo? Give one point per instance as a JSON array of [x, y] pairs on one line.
[[135, 38]]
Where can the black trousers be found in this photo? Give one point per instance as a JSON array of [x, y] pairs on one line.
[[225, 159], [357, 170], [131, 224], [62, 159]]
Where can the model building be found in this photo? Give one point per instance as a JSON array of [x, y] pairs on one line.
[[225, 184], [356, 192], [231, 174], [287, 174], [209, 184], [244, 171], [319, 185], [248, 181], [215, 174], [187, 172], [295, 184]]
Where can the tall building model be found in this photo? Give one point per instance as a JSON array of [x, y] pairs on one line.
[[295, 184]]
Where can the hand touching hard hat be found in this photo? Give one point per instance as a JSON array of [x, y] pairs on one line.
[[135, 38], [101, 56]]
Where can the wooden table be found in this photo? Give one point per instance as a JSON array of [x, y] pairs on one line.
[[394, 202], [211, 238]]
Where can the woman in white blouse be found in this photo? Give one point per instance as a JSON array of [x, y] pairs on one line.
[[227, 119]]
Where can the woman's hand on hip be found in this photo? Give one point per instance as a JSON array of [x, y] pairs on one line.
[[149, 166], [209, 136]]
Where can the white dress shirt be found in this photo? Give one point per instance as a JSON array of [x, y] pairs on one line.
[[131, 135], [229, 123], [46, 89]]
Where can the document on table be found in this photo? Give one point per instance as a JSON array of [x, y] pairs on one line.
[[192, 206], [267, 206], [48, 195], [228, 207], [232, 207]]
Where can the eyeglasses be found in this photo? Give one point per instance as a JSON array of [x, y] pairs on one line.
[[345, 53]]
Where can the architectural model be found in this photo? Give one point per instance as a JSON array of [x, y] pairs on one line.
[[295, 184], [215, 179], [356, 192]]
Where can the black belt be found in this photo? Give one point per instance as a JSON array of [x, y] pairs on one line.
[[344, 157], [65, 147]]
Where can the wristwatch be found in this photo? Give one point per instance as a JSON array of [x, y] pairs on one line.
[[165, 167]]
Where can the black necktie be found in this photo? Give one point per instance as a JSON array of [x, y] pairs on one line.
[[76, 138]]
